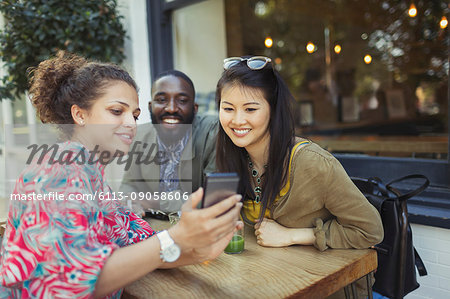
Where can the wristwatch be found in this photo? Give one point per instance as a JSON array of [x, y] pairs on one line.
[[170, 251]]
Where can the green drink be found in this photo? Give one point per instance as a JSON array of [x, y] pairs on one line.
[[236, 245]]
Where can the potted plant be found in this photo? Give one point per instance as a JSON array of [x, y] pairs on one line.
[[36, 29]]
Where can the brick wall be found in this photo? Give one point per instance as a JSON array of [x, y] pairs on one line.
[[433, 245]]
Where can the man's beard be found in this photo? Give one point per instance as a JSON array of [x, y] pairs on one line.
[[173, 135]]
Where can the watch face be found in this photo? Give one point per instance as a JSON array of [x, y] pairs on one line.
[[171, 253]]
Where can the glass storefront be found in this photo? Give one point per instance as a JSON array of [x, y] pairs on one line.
[[368, 76]]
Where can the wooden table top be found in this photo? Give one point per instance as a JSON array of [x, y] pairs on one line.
[[259, 272]]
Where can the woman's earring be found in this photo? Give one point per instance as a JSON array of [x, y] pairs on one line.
[[81, 122]]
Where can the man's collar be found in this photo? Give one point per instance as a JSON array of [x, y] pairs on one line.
[[180, 143]]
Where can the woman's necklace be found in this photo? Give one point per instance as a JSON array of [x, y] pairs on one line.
[[256, 179]]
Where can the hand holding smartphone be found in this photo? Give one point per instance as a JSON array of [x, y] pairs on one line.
[[219, 186]]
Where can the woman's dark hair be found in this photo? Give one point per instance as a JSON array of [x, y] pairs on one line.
[[66, 80], [230, 158]]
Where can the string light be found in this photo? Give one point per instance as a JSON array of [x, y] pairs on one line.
[[310, 47], [367, 59], [337, 49], [412, 12], [443, 23], [268, 42]]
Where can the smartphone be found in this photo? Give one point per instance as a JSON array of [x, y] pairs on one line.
[[218, 186]]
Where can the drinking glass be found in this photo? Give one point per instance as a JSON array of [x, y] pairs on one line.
[[236, 244]]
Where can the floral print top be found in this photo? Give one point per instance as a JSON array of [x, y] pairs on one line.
[[56, 247]]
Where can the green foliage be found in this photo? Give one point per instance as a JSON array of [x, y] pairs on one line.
[[37, 29]]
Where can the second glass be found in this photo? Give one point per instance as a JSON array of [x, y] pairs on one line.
[[174, 217], [236, 244]]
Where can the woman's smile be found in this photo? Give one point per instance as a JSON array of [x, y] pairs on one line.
[[241, 132]]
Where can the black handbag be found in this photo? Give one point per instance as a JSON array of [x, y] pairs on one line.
[[397, 258]]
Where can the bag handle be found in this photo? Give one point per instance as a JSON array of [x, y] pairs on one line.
[[380, 187], [419, 263], [413, 192]]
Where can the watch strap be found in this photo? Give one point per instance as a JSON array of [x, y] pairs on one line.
[[165, 240]]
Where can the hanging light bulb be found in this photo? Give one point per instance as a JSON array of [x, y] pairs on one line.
[[337, 49], [412, 12], [268, 42], [310, 47], [443, 23], [367, 59]]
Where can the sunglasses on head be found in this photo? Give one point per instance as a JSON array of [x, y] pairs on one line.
[[253, 63]]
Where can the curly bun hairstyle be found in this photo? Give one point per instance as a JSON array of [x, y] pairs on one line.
[[66, 80]]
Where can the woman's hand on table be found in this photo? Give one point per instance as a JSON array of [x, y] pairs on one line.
[[269, 233], [207, 230]]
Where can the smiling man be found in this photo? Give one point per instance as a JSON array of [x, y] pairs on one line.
[[171, 155], [172, 107]]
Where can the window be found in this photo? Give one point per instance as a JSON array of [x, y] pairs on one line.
[[377, 78], [376, 75], [370, 77]]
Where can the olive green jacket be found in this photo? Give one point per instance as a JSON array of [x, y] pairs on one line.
[[198, 157], [323, 197]]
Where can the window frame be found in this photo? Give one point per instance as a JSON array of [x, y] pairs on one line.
[[159, 25]]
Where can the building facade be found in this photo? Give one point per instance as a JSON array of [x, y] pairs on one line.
[[371, 81]]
